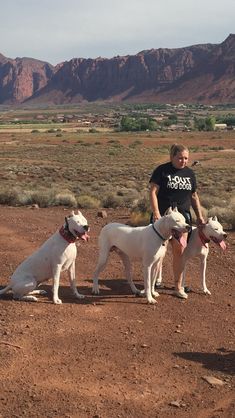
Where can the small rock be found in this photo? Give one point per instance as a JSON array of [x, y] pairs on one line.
[[175, 403], [34, 206], [102, 214], [213, 380]]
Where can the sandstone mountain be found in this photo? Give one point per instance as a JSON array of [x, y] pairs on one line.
[[195, 74]]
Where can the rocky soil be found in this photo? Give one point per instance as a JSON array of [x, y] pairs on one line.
[[113, 355]]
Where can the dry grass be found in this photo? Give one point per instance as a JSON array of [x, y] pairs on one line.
[[110, 169]]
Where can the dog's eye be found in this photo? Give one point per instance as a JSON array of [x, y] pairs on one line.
[[216, 229]]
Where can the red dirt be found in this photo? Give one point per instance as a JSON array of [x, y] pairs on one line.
[[113, 355]]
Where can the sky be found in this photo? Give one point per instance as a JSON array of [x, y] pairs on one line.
[[59, 30]]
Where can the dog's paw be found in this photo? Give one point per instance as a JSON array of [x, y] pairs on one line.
[[95, 290], [79, 296], [28, 298], [152, 301], [206, 292], [57, 301], [155, 294]]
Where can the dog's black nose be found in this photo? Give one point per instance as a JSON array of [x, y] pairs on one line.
[[86, 227], [225, 235], [188, 227]]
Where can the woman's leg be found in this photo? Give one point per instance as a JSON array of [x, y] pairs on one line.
[[178, 266]]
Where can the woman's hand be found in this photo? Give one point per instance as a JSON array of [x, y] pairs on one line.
[[156, 216], [200, 221]]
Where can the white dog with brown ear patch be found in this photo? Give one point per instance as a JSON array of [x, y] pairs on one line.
[[146, 243], [57, 254]]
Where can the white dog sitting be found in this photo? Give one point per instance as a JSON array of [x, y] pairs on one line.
[[146, 243], [198, 247], [57, 254]]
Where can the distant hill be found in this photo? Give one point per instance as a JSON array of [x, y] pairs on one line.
[[195, 74]]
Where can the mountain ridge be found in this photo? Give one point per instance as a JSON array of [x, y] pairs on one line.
[[202, 73]]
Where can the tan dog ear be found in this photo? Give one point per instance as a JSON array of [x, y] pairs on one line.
[[215, 219], [72, 213], [175, 209], [79, 213]]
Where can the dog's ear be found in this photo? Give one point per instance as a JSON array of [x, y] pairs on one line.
[[168, 211], [72, 213], [175, 209], [215, 218], [79, 213]]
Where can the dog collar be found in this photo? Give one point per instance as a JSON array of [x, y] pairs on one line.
[[155, 230], [203, 238], [66, 234]]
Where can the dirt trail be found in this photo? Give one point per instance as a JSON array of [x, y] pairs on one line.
[[113, 355]]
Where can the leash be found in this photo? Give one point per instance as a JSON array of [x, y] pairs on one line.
[[163, 239]]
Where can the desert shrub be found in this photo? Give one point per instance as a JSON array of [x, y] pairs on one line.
[[65, 198], [112, 201], [135, 143], [43, 198], [58, 135], [142, 206], [34, 131], [86, 144], [113, 141], [15, 197], [88, 202], [93, 131], [141, 211], [139, 218], [204, 214], [209, 201], [225, 215], [129, 196]]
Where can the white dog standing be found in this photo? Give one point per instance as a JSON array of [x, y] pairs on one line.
[[198, 246], [57, 254], [145, 243]]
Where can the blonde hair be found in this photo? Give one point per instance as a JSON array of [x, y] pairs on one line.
[[177, 148]]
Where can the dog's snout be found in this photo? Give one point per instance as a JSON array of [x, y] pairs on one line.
[[225, 235], [86, 227], [188, 227]]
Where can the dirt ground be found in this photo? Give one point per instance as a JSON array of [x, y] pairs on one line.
[[113, 355]]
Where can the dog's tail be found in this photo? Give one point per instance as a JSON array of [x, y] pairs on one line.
[[5, 289]]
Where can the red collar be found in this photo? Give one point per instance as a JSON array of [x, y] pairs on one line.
[[66, 234], [203, 238]]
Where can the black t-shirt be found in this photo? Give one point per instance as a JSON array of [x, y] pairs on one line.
[[175, 186]]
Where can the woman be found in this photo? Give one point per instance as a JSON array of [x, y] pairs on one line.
[[174, 184]]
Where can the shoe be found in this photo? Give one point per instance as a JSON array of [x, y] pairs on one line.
[[181, 294]]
